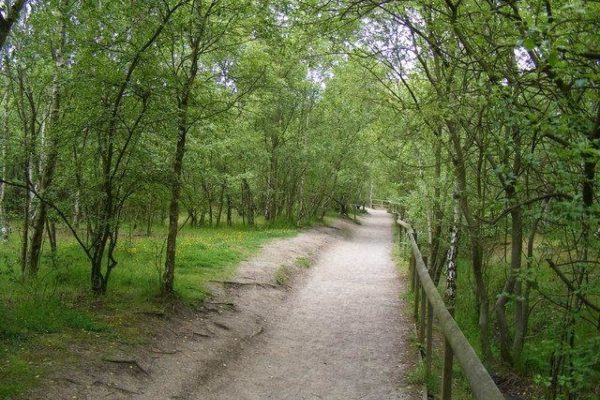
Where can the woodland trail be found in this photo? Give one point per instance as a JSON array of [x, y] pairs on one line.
[[344, 334], [338, 330]]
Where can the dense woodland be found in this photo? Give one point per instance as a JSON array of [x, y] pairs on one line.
[[481, 118]]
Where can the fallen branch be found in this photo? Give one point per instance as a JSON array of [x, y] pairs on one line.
[[220, 303], [206, 335], [222, 326], [70, 380], [116, 387], [159, 351], [218, 307], [237, 283]]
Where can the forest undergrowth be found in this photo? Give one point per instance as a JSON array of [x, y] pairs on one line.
[[528, 379]]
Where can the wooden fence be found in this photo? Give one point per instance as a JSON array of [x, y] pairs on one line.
[[429, 306]]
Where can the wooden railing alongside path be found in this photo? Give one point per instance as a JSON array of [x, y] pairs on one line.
[[456, 343]]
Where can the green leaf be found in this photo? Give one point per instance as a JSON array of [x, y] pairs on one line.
[[553, 58], [529, 43]]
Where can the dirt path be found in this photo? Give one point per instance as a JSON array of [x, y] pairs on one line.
[[335, 331], [341, 336]]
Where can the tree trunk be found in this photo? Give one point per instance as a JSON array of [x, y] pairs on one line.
[[209, 200], [111, 263], [149, 220], [96, 274], [522, 302], [29, 131], [51, 232], [169, 274], [202, 220], [301, 206], [39, 220], [476, 241], [193, 216], [450, 298], [229, 220], [221, 203], [49, 167], [271, 200], [435, 255], [516, 217], [182, 128], [515, 266], [4, 228], [482, 296], [248, 202], [25, 228], [76, 209], [451, 274]]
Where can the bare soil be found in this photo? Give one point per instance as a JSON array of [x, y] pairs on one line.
[[338, 330]]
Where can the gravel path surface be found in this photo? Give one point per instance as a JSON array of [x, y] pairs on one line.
[[343, 335]]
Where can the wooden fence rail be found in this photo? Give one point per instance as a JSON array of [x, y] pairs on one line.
[[429, 304]]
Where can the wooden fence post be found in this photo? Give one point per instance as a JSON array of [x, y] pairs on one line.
[[417, 291], [416, 286], [411, 273], [447, 371], [412, 276], [423, 312], [429, 340]]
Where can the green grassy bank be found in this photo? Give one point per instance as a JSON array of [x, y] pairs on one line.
[[43, 319]]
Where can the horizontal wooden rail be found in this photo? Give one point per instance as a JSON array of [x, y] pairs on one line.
[[481, 383]]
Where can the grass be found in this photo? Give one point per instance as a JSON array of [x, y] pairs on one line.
[[303, 262], [417, 377], [281, 276], [43, 319]]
